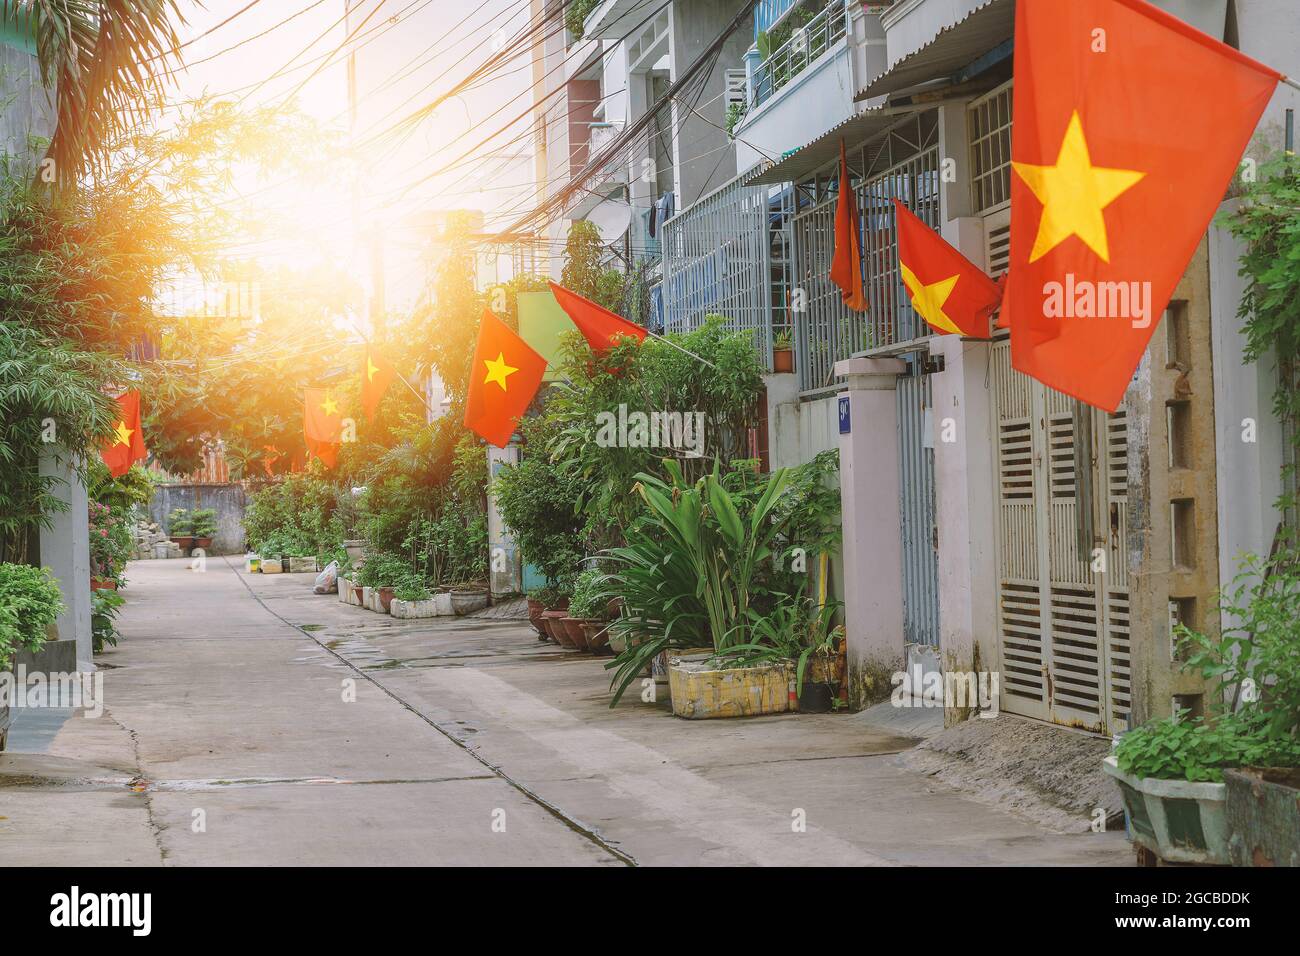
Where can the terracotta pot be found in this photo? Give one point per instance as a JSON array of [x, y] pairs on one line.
[[359, 593], [203, 543], [613, 608], [597, 634], [103, 584], [551, 620], [386, 599], [573, 628], [783, 360], [535, 609]]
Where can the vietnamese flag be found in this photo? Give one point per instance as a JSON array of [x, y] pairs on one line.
[[950, 292], [601, 327], [125, 446], [376, 375], [846, 263], [504, 375], [1115, 179], [322, 425]]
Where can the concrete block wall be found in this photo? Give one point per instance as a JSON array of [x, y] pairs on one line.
[[227, 499]]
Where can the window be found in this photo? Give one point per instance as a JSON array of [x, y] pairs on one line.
[[989, 122]]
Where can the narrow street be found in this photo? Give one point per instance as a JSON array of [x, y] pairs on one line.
[[230, 735]]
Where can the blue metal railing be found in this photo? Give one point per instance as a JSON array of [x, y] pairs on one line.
[[805, 46], [768, 12]]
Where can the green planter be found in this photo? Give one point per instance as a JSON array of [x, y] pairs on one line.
[[1263, 810], [1178, 820]]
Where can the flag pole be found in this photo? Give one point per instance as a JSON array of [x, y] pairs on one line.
[[1291, 83], [667, 341]]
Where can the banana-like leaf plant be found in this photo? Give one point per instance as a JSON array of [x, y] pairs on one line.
[[106, 60]]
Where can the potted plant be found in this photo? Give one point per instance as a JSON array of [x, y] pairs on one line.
[[468, 598], [536, 605], [411, 599], [1178, 775], [180, 528], [588, 608], [692, 571], [783, 352], [203, 527]]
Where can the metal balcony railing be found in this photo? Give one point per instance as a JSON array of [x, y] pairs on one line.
[[806, 45]]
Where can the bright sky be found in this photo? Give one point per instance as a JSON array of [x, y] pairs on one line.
[[411, 51]]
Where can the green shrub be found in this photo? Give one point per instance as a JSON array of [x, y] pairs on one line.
[[179, 523], [295, 515], [29, 603], [589, 600], [103, 613], [203, 523], [1253, 667]]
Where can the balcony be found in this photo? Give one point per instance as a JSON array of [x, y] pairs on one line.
[[806, 44]]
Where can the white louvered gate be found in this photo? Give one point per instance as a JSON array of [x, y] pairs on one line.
[[1063, 601]]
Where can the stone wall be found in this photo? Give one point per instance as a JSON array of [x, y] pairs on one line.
[[226, 499]]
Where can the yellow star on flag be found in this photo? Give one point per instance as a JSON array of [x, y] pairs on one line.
[[929, 300], [329, 406], [1073, 193], [498, 370], [371, 369], [123, 433]]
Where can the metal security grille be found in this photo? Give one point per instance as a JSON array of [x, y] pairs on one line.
[[989, 123], [904, 164], [716, 261], [1063, 589], [916, 507]]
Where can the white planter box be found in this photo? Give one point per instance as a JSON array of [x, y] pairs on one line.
[[303, 566], [271, 566], [1178, 820], [410, 610], [443, 601], [345, 589]]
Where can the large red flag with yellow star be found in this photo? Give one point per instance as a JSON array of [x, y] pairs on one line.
[[125, 445], [950, 292], [503, 378], [1114, 179], [376, 375], [322, 425]]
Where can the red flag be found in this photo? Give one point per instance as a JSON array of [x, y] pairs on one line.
[[846, 263], [601, 327], [950, 292], [376, 375], [322, 425], [126, 445], [504, 376], [1115, 179]]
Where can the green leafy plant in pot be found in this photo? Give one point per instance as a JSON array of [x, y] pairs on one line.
[[30, 602]]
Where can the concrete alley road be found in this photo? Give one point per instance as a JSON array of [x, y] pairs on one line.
[[249, 721]]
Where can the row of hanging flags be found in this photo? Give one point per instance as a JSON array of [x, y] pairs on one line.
[[505, 375], [1116, 175]]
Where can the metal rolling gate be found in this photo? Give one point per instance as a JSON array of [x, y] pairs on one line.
[[916, 505]]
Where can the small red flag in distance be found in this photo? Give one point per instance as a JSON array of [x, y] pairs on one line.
[[601, 327], [322, 425], [846, 263], [377, 373], [950, 292], [125, 446], [1114, 180], [504, 375]]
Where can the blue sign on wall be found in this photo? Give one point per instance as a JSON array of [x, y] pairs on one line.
[[845, 422]]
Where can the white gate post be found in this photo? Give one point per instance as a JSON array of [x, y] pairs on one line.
[[505, 572], [65, 550], [873, 550]]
